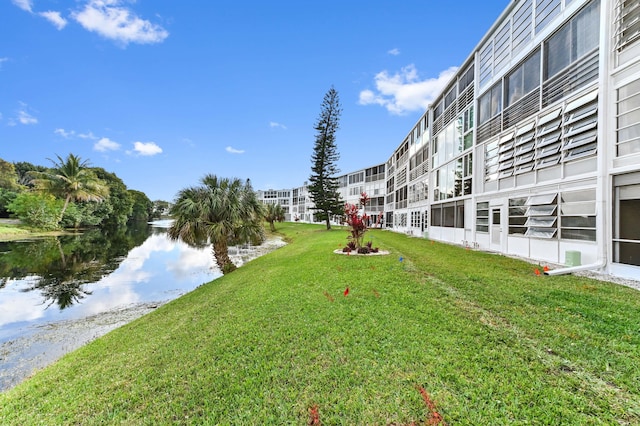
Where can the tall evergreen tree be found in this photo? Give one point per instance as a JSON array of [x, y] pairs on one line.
[[323, 186]]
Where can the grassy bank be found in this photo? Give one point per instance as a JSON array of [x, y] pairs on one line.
[[278, 342], [11, 230]]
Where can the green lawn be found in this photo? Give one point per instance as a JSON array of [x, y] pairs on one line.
[[277, 342]]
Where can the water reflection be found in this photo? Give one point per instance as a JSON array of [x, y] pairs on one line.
[[75, 276], [57, 294]]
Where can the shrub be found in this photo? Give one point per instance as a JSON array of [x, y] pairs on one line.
[[38, 210], [357, 222]]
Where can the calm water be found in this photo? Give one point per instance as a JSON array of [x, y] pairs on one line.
[[72, 277], [59, 293]]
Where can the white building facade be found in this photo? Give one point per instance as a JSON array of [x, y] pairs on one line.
[[533, 148]]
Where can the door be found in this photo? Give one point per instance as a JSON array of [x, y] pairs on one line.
[[495, 229]]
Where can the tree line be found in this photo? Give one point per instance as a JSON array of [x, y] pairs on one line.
[[71, 194]]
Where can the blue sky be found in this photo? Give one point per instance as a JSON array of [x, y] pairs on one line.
[[162, 92]]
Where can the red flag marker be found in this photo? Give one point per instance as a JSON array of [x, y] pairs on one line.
[[314, 416], [537, 271], [346, 291], [546, 268]]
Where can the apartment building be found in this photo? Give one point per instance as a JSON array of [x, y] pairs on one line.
[[282, 197], [370, 181], [533, 148]]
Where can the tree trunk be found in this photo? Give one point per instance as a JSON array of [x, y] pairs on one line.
[[221, 254], [328, 222], [64, 208]]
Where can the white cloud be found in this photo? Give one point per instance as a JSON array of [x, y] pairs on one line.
[[55, 18], [106, 144], [68, 134], [73, 134], [24, 4], [404, 91], [64, 133], [3, 60], [24, 117], [146, 148], [232, 150], [89, 135], [114, 22], [274, 124], [395, 51]]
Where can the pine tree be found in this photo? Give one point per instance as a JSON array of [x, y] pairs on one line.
[[323, 186]]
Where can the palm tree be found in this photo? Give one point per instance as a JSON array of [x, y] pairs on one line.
[[70, 179], [221, 211], [273, 213]]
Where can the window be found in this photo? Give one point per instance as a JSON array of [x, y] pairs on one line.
[[541, 216], [524, 79], [459, 214], [517, 216], [401, 219], [448, 215], [486, 63], [580, 127], [502, 46], [574, 40], [401, 198], [418, 191], [521, 29], [374, 173], [466, 79], [356, 178], [450, 97], [546, 10], [491, 161], [467, 128], [438, 110], [578, 215], [490, 104], [388, 220], [482, 217], [416, 219], [436, 218], [628, 119], [626, 232], [628, 23], [356, 190], [401, 176]]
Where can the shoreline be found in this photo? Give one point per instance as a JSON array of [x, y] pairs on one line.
[[44, 344]]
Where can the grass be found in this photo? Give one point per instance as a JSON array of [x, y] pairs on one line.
[[8, 232], [278, 342], [12, 232]]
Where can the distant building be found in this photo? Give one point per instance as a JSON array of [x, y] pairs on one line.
[[532, 149], [370, 181], [282, 197]]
